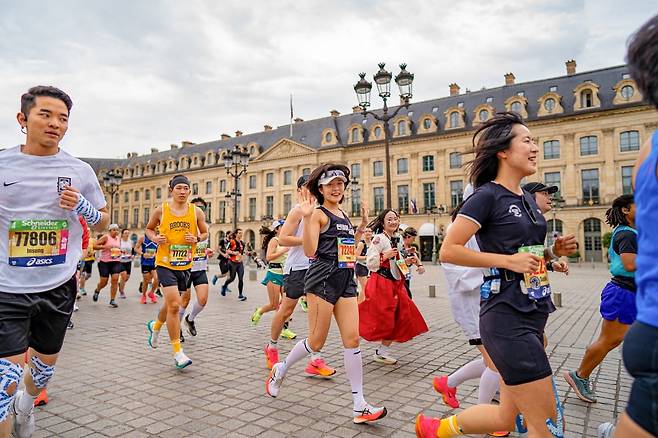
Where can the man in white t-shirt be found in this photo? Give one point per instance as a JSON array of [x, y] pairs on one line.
[[43, 190]]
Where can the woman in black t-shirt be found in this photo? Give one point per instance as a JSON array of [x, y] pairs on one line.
[[510, 233]]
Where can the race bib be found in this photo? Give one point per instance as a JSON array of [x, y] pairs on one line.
[[38, 242], [200, 252], [150, 253], [346, 252], [536, 283], [115, 252], [402, 266], [180, 255]]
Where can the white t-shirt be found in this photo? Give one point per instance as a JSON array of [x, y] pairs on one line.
[[46, 241]]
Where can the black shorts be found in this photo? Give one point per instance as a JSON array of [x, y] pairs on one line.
[[105, 269], [127, 267], [640, 355], [475, 341], [223, 265], [147, 269], [293, 284], [87, 265], [197, 278], [36, 320], [515, 342], [361, 271], [169, 277], [327, 281]]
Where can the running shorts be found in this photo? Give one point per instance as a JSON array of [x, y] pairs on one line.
[[326, 280], [106, 269], [169, 277]]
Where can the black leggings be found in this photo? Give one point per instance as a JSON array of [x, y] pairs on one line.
[[233, 269]]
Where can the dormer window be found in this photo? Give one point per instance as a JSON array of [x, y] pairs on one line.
[[402, 127], [427, 123], [483, 115], [516, 107], [454, 119], [549, 104], [586, 99], [627, 91]]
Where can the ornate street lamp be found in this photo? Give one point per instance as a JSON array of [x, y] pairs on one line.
[[111, 182], [382, 79], [235, 162]]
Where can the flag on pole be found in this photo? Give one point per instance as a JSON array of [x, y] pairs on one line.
[[291, 115], [414, 208]]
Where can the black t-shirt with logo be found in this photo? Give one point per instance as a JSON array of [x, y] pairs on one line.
[[506, 225]]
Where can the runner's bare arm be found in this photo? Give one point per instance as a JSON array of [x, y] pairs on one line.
[[154, 221], [138, 245], [312, 227], [201, 224], [272, 253], [287, 235]]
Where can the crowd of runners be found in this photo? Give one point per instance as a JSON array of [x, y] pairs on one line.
[[54, 226]]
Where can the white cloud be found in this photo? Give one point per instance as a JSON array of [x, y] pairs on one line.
[[150, 73]]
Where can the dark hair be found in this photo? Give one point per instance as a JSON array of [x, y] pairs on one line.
[[29, 99], [201, 200], [235, 232], [178, 179], [410, 232], [268, 235], [614, 216], [314, 179], [642, 59], [377, 225], [491, 137], [124, 229]]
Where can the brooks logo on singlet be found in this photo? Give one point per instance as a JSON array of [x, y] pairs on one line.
[[180, 224]]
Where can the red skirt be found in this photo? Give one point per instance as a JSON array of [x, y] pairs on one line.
[[387, 313]]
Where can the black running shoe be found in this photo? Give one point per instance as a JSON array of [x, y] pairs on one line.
[[113, 304], [242, 298], [70, 325], [190, 326], [95, 297]]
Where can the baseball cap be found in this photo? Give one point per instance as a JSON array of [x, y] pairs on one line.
[[277, 223], [331, 175], [535, 187], [113, 227], [302, 180]]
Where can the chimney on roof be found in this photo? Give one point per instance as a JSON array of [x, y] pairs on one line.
[[173, 146], [225, 136], [154, 150], [356, 109], [298, 120], [509, 78], [238, 133], [187, 144], [334, 113], [131, 154], [267, 128], [454, 89], [571, 67]]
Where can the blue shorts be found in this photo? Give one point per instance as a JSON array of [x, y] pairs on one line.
[[272, 277], [618, 303], [640, 353]]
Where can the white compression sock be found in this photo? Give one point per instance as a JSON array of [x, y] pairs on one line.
[[471, 370], [382, 350], [196, 309], [298, 352], [316, 355], [489, 384], [181, 313], [354, 370], [26, 402]]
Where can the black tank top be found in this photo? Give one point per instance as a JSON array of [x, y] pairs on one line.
[[339, 228]]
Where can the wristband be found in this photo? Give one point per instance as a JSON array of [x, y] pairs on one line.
[[551, 254], [87, 211]]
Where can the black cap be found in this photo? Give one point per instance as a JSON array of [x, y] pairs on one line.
[[535, 187], [302, 180]]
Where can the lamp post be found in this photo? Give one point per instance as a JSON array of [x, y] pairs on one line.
[[235, 162], [111, 182], [354, 188], [557, 204], [383, 81], [434, 211]]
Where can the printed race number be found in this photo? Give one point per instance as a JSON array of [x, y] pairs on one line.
[[38, 242]]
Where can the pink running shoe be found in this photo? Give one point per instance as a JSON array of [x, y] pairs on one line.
[[152, 297], [271, 356], [427, 427], [449, 394], [318, 368], [143, 299]]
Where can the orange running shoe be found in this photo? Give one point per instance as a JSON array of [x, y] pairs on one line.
[[427, 427], [143, 299], [318, 368], [271, 356], [369, 414], [42, 398], [449, 394], [498, 433]]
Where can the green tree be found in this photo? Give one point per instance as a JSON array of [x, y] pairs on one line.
[[605, 240]]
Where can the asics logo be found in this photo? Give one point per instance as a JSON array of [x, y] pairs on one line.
[[6, 184], [38, 262]]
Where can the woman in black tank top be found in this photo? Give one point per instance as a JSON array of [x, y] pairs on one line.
[[329, 239]]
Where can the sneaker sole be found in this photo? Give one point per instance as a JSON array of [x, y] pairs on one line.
[[320, 376], [148, 327], [184, 365], [365, 420], [385, 362], [419, 433], [573, 386], [267, 381]]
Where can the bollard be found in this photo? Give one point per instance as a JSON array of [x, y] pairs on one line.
[[253, 274], [557, 299], [432, 291]]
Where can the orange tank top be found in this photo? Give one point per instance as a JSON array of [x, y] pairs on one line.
[[176, 254]]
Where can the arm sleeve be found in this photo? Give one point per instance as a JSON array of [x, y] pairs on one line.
[[478, 206], [625, 243]]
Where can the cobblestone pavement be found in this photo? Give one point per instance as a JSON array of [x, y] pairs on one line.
[[108, 383]]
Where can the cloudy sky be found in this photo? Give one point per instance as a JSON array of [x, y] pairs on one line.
[[150, 73]]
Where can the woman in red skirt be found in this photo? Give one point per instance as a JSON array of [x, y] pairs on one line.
[[387, 314]]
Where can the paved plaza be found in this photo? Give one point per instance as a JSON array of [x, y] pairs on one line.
[[109, 383]]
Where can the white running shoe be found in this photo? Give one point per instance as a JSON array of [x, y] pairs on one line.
[[385, 359], [153, 334], [23, 423], [369, 414], [182, 361], [273, 382], [75, 307]]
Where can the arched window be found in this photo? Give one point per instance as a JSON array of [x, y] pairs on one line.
[[402, 127], [483, 115], [378, 131], [516, 107], [627, 91], [355, 135], [549, 104], [328, 137], [427, 123], [454, 119], [586, 99]]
